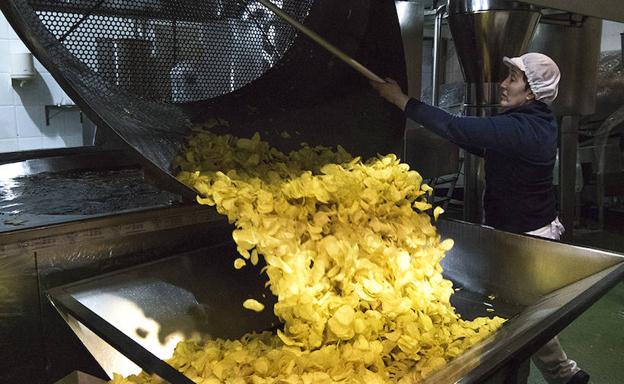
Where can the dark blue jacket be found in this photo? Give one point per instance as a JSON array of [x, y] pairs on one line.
[[519, 147]]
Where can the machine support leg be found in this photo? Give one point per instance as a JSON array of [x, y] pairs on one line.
[[473, 189], [567, 172]]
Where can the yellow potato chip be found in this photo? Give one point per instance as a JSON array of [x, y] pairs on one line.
[[253, 305], [437, 211], [239, 263], [422, 205], [254, 257]]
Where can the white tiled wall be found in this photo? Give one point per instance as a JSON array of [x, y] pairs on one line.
[[22, 108]]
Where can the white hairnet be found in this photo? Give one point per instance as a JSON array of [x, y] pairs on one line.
[[541, 72]]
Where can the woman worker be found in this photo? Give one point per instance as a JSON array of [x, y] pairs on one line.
[[519, 148]]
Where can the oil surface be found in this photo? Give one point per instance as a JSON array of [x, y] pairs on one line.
[[37, 199], [82, 192]]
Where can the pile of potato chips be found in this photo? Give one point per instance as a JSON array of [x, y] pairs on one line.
[[352, 258]]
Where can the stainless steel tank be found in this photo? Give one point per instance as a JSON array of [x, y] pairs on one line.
[[576, 52], [484, 31]]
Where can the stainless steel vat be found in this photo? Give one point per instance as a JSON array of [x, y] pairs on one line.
[[129, 318]]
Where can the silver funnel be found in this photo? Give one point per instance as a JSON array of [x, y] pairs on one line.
[[484, 31]]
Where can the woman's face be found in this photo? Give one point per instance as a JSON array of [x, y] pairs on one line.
[[514, 90]]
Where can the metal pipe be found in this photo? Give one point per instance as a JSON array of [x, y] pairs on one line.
[[567, 172], [322, 42], [622, 46], [437, 35]]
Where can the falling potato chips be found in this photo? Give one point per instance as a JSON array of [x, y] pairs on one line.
[[352, 257]]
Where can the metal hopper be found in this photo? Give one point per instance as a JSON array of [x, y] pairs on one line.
[[132, 319]]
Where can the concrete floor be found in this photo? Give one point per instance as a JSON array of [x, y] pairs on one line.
[[596, 339]]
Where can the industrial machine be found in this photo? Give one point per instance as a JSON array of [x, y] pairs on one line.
[[145, 71]]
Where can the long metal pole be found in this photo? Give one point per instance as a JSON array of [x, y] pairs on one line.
[[437, 36], [322, 42]]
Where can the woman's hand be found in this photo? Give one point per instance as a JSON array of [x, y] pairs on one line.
[[391, 91]]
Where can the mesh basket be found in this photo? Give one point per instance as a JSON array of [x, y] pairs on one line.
[[146, 69], [172, 51]]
